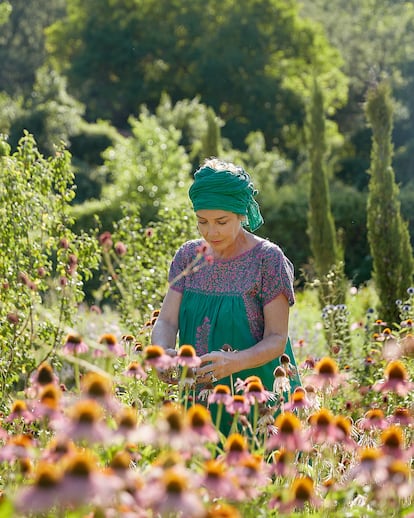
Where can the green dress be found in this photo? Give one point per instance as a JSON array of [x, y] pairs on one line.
[[222, 302]]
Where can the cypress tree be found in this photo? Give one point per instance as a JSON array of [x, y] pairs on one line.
[[327, 254], [388, 234], [212, 137], [321, 226]]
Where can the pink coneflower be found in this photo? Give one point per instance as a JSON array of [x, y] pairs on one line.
[[18, 447], [199, 422], [402, 416], [109, 341], [218, 481], [289, 434], [298, 400], [392, 443], [323, 429], [48, 403], [173, 495], [41, 377], [85, 423], [19, 411], [239, 404], [255, 391], [57, 449], [327, 375], [155, 356], [345, 428], [186, 356], [281, 383], [396, 379], [44, 494], [74, 344], [240, 385], [135, 370], [284, 464], [373, 419], [301, 494], [220, 394], [82, 482], [371, 468], [235, 449], [252, 475], [398, 483], [127, 422], [98, 387]]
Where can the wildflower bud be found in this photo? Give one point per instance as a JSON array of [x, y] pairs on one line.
[[41, 272], [95, 309], [63, 281], [120, 249], [105, 240], [23, 278], [149, 232], [5, 285], [12, 318], [64, 243]]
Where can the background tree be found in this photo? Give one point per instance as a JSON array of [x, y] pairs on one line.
[[388, 236], [22, 42], [237, 55]]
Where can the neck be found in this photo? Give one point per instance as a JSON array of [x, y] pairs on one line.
[[240, 244]]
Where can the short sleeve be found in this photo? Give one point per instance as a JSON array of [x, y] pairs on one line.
[[182, 258], [277, 275]]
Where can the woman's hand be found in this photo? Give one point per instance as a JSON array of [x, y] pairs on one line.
[[217, 365]]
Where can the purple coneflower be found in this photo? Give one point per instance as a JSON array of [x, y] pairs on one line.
[[199, 422], [18, 447], [298, 400], [238, 404], [392, 443], [255, 391], [301, 493], [235, 449], [85, 423], [187, 357], [220, 394], [373, 419], [41, 377], [44, 494], [327, 375], [135, 370], [112, 346], [284, 463], [402, 416], [396, 379], [174, 495], [74, 344], [19, 411], [155, 356], [289, 434], [323, 429], [98, 387], [219, 481], [371, 468]]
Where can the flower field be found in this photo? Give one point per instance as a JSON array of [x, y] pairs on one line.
[[104, 435]]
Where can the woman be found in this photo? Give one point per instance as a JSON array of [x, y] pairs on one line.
[[238, 302]]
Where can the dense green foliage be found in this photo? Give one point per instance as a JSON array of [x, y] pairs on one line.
[[393, 264], [233, 79], [40, 258]]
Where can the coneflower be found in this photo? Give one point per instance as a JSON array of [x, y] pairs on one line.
[[396, 379], [289, 434]]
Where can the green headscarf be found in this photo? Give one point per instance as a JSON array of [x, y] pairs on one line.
[[226, 190]]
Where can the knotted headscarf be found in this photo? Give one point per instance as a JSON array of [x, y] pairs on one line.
[[226, 190]]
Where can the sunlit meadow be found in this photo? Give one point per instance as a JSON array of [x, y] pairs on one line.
[[98, 422]]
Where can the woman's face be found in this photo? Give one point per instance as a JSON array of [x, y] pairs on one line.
[[219, 228]]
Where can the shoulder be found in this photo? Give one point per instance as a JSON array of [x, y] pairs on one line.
[[188, 250], [273, 254]]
